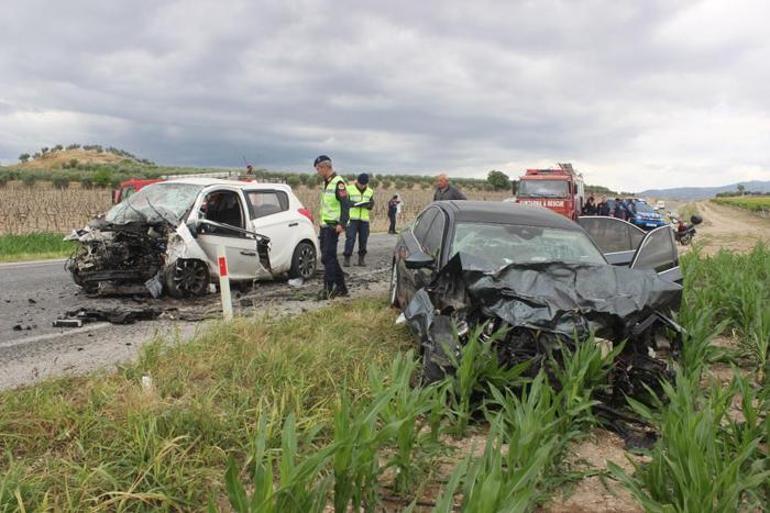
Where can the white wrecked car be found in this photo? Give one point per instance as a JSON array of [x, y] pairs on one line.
[[165, 237]]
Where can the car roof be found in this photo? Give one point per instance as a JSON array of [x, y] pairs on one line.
[[232, 183], [505, 213]]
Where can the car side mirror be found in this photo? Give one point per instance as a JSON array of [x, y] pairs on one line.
[[418, 260], [696, 219]]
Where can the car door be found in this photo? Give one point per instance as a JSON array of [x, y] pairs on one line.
[[658, 252], [270, 216], [226, 226], [617, 239], [412, 280]]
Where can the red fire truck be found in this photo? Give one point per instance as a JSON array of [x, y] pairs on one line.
[[561, 190], [128, 187]]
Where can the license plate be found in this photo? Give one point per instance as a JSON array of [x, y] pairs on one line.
[[650, 225]]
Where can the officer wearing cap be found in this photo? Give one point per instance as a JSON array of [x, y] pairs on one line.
[[361, 198], [334, 218]]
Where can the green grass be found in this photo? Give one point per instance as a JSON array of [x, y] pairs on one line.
[[34, 246], [317, 410], [103, 443], [751, 203]]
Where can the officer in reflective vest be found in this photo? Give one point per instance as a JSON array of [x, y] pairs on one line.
[[361, 198], [334, 218]]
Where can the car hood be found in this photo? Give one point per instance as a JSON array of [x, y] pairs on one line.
[[566, 299]]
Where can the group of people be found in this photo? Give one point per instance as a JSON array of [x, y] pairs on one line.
[[345, 208], [624, 209]]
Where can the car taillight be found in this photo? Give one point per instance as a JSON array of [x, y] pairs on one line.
[[305, 212]]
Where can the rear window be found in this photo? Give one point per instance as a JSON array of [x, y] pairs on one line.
[[265, 203]]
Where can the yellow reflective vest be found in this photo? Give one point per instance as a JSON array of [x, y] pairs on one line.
[[357, 196]]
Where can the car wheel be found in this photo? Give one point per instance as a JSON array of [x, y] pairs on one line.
[[187, 278], [303, 261], [394, 286]]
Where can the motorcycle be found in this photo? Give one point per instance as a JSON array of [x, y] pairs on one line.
[[684, 232]]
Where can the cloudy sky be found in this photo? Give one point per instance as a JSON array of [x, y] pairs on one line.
[[635, 94]]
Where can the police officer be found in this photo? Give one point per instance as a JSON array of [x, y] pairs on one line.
[[361, 198], [334, 217]]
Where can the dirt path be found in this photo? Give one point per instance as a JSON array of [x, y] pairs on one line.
[[730, 228]]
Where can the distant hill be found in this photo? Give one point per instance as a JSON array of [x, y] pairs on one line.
[[696, 193], [72, 156]]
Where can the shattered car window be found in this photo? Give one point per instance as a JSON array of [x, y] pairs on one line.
[[155, 203], [504, 244]]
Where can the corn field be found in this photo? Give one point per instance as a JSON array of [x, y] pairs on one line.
[[413, 201], [44, 208]]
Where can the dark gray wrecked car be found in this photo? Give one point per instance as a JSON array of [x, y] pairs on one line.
[[543, 280]]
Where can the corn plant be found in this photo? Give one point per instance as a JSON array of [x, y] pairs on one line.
[[298, 490], [693, 467], [355, 464], [401, 413], [579, 374], [477, 368], [489, 485]]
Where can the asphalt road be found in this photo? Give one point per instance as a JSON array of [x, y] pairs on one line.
[[34, 294]]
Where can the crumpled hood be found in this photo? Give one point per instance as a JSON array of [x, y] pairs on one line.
[[556, 297]]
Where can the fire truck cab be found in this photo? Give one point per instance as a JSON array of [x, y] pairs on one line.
[[128, 187], [561, 190]]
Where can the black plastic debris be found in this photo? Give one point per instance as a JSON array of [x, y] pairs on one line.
[[543, 308], [114, 315]]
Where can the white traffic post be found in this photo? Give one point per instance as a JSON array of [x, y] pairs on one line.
[[224, 284]]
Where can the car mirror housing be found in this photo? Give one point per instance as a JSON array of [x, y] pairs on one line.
[[418, 260], [696, 219]]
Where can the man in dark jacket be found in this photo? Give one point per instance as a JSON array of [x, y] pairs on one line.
[[621, 212], [589, 209], [392, 211], [444, 191]]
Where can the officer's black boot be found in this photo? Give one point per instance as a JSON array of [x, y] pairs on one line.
[[361, 261], [346, 262]]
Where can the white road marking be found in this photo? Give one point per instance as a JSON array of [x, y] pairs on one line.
[[33, 263]]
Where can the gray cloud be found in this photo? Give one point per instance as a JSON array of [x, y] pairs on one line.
[[637, 95]]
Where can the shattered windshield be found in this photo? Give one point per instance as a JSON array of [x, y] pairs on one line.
[[503, 244], [155, 203], [543, 189]]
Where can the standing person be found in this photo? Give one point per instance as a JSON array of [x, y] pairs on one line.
[[603, 207], [361, 198], [630, 208], [335, 211], [445, 191], [393, 205], [620, 209], [589, 209]]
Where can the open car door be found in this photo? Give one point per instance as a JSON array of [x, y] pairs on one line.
[[617, 239], [658, 252]]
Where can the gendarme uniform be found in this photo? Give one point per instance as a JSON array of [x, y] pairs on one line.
[[334, 212], [355, 195], [331, 202], [362, 195]]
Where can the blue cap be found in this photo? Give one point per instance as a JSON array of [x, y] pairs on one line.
[[363, 179], [321, 158]]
